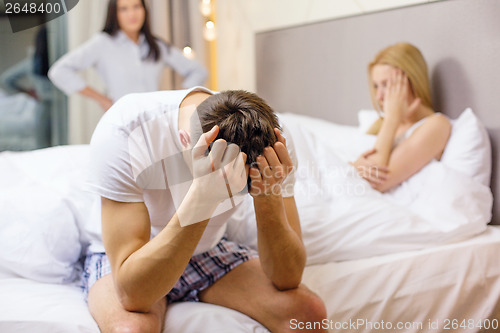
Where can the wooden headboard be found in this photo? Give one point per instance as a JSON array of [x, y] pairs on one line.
[[320, 69]]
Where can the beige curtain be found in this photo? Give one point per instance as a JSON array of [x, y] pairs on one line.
[[159, 13], [85, 20], [183, 28]]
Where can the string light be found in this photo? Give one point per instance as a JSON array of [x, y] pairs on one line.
[[206, 7], [209, 31], [188, 52]]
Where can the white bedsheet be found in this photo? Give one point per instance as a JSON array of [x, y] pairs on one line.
[[30, 306], [456, 281]]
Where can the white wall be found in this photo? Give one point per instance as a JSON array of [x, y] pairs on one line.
[[239, 20]]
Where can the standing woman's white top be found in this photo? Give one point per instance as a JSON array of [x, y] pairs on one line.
[[122, 65], [123, 57]]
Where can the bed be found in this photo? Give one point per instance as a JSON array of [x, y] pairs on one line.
[[449, 282]]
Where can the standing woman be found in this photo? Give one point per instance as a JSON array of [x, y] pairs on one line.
[[410, 134], [127, 57]]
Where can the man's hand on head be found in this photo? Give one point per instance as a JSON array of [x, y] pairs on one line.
[[222, 172], [270, 169]]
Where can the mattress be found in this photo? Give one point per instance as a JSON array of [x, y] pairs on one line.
[[431, 290], [425, 291]]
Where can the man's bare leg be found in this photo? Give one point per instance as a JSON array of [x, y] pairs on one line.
[[110, 315], [248, 290]]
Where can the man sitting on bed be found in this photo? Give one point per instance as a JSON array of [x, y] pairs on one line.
[[169, 181]]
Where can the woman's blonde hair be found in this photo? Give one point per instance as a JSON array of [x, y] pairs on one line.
[[409, 59]]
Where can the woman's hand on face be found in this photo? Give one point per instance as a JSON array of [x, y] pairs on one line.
[[399, 101], [375, 174]]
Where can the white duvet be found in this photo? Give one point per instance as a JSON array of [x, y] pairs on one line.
[[343, 218]]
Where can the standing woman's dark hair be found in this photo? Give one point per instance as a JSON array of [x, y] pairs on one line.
[[112, 26]]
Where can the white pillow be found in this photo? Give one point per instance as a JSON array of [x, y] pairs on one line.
[[39, 238], [40, 212], [347, 141], [468, 150], [366, 118]]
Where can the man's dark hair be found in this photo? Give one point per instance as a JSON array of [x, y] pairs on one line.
[[243, 118]]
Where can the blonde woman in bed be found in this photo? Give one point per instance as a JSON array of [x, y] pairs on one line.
[[410, 134]]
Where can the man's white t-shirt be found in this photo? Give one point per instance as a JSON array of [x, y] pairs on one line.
[[136, 156]]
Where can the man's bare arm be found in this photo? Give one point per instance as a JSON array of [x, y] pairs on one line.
[[145, 270], [281, 250]]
